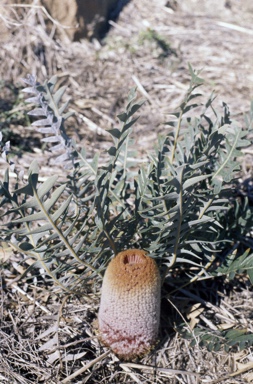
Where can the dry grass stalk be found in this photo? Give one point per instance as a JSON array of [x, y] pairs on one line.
[[98, 78]]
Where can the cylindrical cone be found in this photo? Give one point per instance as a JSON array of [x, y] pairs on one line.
[[129, 311]]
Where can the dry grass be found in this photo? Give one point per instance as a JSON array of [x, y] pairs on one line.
[[47, 337]]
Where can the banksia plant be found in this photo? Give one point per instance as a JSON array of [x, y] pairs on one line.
[[179, 206], [129, 311]]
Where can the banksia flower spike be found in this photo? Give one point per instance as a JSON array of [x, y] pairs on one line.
[[129, 311]]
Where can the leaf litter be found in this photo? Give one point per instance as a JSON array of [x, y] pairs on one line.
[[47, 338]]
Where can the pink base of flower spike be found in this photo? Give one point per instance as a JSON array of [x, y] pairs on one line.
[[129, 311]]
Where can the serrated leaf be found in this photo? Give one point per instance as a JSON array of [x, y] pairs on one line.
[[190, 107], [51, 139], [250, 274], [129, 125], [37, 112], [58, 95], [194, 180], [52, 82], [45, 130], [33, 100], [112, 151], [42, 122], [57, 147], [25, 246], [63, 108], [29, 187], [30, 218], [39, 230], [115, 132], [135, 107], [62, 209], [68, 114], [28, 89], [122, 117], [60, 159]]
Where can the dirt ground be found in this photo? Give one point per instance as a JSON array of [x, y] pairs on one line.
[[148, 47]]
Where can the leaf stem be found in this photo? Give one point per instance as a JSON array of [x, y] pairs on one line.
[[176, 136], [60, 234]]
